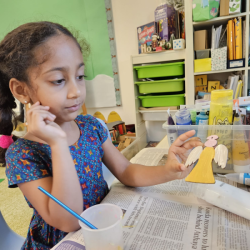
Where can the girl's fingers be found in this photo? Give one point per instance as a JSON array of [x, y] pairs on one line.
[[33, 108], [192, 144], [182, 138], [40, 116], [195, 138]]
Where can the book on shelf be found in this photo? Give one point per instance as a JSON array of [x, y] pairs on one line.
[[236, 38], [244, 39]]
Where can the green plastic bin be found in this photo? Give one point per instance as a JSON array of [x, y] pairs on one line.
[[173, 85], [162, 100], [160, 70]]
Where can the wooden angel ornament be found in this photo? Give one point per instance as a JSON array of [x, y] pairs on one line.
[[203, 171]]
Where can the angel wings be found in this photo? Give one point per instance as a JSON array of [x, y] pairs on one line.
[[203, 172]]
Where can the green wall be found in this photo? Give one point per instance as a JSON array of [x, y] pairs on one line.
[[86, 16]]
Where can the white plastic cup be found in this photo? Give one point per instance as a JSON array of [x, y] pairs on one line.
[[108, 219]]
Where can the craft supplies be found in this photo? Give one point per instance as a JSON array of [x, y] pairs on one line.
[[193, 116], [67, 208], [225, 196], [171, 132], [183, 117], [221, 107], [202, 172], [221, 113], [243, 178], [202, 118], [108, 219], [241, 158]]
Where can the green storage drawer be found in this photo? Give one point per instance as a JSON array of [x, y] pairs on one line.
[[160, 70], [162, 100], [173, 85]]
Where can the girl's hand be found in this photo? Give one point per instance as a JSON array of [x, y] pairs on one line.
[[41, 124], [179, 151]]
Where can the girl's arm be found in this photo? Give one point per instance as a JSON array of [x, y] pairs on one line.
[[64, 185], [138, 175]]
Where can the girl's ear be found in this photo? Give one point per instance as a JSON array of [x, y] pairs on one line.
[[19, 90]]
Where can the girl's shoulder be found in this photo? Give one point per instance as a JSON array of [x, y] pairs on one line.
[[91, 126], [88, 122], [23, 146]]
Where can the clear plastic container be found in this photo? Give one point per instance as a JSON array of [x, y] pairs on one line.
[[108, 219], [226, 133], [155, 115]]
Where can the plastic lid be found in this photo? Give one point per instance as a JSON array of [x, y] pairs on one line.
[[222, 93], [183, 113]]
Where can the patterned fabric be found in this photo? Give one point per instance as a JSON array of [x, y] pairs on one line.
[[28, 160]]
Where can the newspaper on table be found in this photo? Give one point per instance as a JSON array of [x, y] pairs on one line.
[[168, 216]]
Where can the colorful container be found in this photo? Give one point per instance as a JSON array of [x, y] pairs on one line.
[[162, 100], [173, 85], [160, 70]]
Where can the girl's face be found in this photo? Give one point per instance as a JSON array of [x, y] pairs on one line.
[[59, 81]]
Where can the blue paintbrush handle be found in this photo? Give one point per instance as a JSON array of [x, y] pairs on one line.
[[67, 208]]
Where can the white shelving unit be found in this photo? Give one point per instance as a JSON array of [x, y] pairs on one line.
[[152, 130]]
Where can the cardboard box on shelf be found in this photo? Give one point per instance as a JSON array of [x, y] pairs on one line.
[[213, 85], [224, 7], [201, 80], [219, 58], [179, 44], [166, 17], [234, 7], [145, 33], [200, 88], [200, 40]]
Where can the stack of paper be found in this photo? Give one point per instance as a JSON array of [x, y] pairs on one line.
[[236, 85], [216, 37]]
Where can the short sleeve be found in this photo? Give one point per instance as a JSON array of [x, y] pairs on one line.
[[102, 131], [24, 164], [93, 126], [105, 126]]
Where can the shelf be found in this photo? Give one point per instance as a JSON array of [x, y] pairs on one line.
[[217, 21], [164, 56], [219, 71]]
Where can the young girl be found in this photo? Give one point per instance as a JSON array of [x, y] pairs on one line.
[[41, 64]]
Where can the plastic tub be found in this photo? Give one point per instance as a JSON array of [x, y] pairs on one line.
[[156, 115], [235, 137], [173, 85], [162, 100], [107, 218], [160, 70], [201, 54]]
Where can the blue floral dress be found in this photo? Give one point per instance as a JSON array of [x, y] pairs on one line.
[[28, 160]]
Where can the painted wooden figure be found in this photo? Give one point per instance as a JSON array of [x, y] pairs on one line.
[[155, 41], [203, 171]]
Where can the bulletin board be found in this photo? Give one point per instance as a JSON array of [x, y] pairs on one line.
[[94, 21]]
